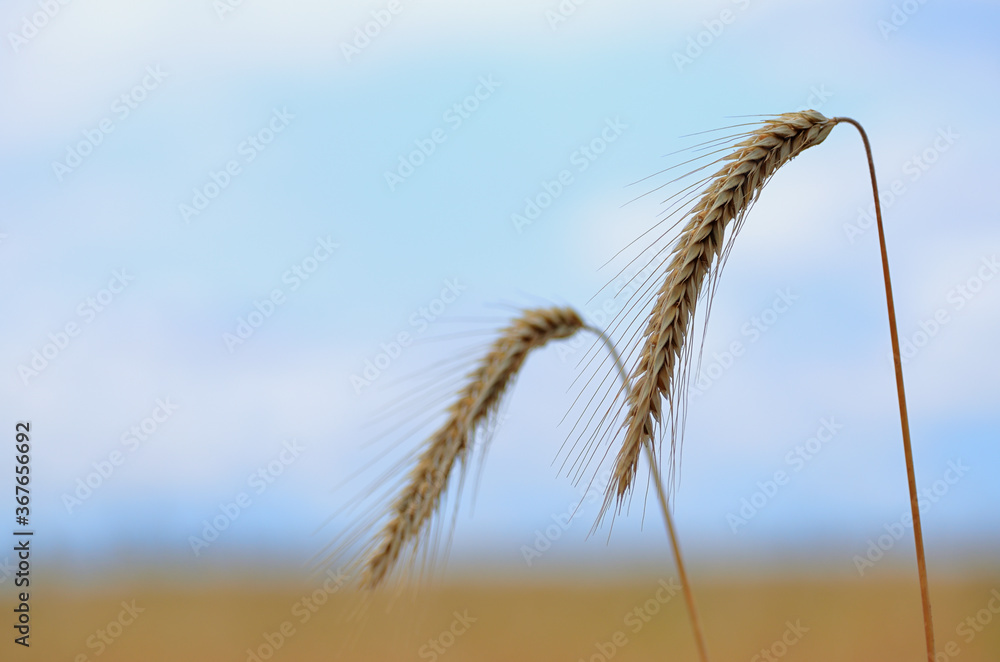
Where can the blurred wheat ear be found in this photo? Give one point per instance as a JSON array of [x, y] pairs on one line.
[[699, 249], [449, 444]]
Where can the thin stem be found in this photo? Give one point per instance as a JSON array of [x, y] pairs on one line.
[[662, 498], [904, 420], [685, 585]]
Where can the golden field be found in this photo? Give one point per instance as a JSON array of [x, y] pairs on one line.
[[140, 617]]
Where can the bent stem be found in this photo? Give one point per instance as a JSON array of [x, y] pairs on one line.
[[904, 420], [662, 498]]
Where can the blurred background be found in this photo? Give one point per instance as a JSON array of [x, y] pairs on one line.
[[235, 233]]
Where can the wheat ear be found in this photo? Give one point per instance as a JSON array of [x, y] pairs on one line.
[[450, 443], [730, 193]]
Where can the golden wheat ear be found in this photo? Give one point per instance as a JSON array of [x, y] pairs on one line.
[[662, 361], [728, 195], [473, 406]]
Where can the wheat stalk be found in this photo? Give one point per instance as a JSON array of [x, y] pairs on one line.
[[728, 196], [904, 419], [450, 443], [661, 496]]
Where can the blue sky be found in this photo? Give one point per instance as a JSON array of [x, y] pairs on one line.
[[309, 135]]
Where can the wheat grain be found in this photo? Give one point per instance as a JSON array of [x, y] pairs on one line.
[[727, 196], [449, 444]]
